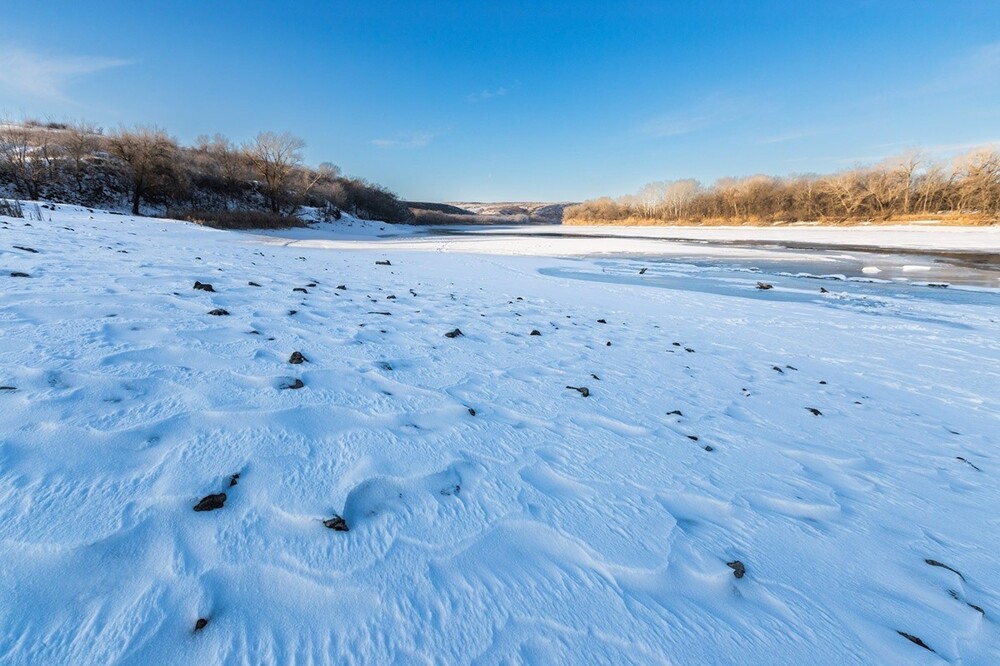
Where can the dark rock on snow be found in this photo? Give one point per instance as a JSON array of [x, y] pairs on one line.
[[336, 523], [211, 502], [738, 569], [914, 639], [935, 563]]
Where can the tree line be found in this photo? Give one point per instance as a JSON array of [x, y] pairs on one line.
[[146, 170], [904, 187]]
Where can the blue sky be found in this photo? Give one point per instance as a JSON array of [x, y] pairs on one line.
[[450, 100]]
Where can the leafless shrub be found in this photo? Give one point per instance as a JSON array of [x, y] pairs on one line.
[[237, 219], [897, 188], [11, 208]]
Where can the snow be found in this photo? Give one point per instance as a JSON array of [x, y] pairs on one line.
[[570, 241], [548, 527], [917, 235]]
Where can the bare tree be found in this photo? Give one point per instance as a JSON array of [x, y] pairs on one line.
[[231, 162], [146, 155], [275, 159], [678, 196], [979, 181], [81, 141], [29, 156]]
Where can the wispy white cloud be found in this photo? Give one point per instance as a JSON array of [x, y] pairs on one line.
[[25, 72], [790, 136], [952, 148], [981, 64], [487, 94], [415, 140], [715, 110]]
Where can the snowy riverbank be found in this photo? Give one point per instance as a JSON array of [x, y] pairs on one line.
[[841, 447]]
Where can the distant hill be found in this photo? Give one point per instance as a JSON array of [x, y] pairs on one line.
[[487, 213], [537, 212], [439, 208]]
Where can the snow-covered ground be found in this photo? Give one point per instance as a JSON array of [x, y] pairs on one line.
[[925, 235], [841, 447]]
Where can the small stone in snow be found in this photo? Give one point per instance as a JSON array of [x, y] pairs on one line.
[[18, 274], [764, 285], [738, 569], [968, 463], [203, 286], [453, 334], [535, 332], [218, 312], [211, 502], [253, 284], [935, 563], [297, 384], [584, 391], [472, 412], [336, 523], [914, 639], [200, 624], [301, 289], [383, 263], [297, 358], [814, 411]]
